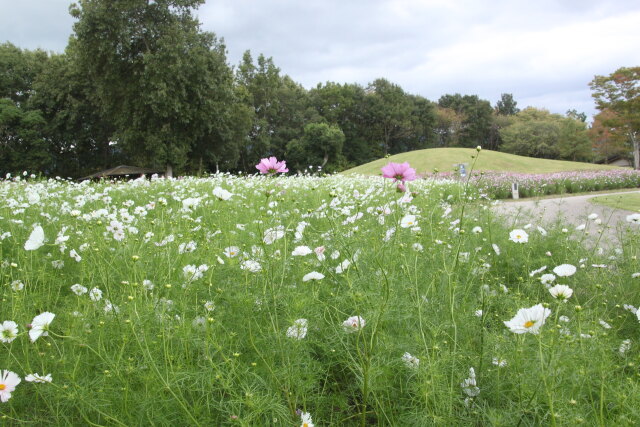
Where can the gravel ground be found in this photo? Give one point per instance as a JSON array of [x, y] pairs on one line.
[[571, 211]]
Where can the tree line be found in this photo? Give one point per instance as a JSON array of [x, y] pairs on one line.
[[140, 83]]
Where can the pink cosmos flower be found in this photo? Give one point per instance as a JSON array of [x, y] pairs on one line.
[[399, 172], [272, 166]]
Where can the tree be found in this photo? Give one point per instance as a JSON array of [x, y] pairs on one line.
[[343, 106], [619, 93], [321, 145], [538, 133], [607, 142], [387, 110], [162, 82], [506, 106], [476, 128]]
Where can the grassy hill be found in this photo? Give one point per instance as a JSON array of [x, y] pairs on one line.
[[425, 161]]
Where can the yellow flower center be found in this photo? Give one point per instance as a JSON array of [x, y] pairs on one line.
[[2, 386], [529, 323], [518, 236], [305, 424]]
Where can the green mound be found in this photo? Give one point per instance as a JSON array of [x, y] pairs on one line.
[[445, 159]]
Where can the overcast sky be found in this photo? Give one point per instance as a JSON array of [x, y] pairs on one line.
[[544, 52]]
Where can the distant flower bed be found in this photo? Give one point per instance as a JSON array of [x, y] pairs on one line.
[[498, 184]]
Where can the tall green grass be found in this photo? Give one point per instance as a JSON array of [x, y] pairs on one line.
[[214, 350]]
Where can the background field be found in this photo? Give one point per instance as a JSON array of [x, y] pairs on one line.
[[444, 159]]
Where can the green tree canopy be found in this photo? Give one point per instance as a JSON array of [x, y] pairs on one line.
[[162, 82], [619, 93]]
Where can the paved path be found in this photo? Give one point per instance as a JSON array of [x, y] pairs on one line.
[[572, 211]]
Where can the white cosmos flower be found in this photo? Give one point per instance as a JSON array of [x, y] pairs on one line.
[[565, 270], [344, 265], [8, 331], [301, 251], [539, 270], [634, 218], [469, 385], [547, 279], [314, 275], [95, 294], [496, 248], [231, 251], [273, 234], [305, 419], [37, 378], [298, 330], [518, 236], [528, 320], [8, 382], [410, 361], [36, 239], [593, 216], [40, 324], [581, 227], [408, 221], [353, 324], [561, 292], [222, 194], [541, 230], [250, 265], [624, 346], [476, 230], [78, 289], [17, 285]]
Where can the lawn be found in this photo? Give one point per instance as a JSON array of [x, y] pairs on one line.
[[629, 202]]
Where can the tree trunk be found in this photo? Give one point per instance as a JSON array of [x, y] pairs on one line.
[[636, 150], [169, 172], [324, 161]]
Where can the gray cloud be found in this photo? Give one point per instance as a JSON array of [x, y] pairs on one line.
[[544, 52]]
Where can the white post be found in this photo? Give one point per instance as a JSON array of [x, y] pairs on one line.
[[514, 191]]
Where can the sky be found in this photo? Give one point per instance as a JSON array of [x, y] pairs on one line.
[[544, 52]]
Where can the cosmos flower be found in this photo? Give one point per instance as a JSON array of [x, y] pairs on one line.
[[271, 166], [78, 289], [273, 234], [561, 292], [301, 251], [634, 218], [40, 325], [222, 194], [314, 275], [353, 324], [528, 320], [36, 239], [410, 361], [305, 418], [298, 330], [8, 331], [547, 279], [250, 265], [469, 385], [95, 294], [399, 172], [8, 382], [231, 251], [565, 270], [518, 236], [37, 378], [408, 221]]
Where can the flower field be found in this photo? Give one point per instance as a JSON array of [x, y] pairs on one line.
[[498, 184], [266, 300]]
